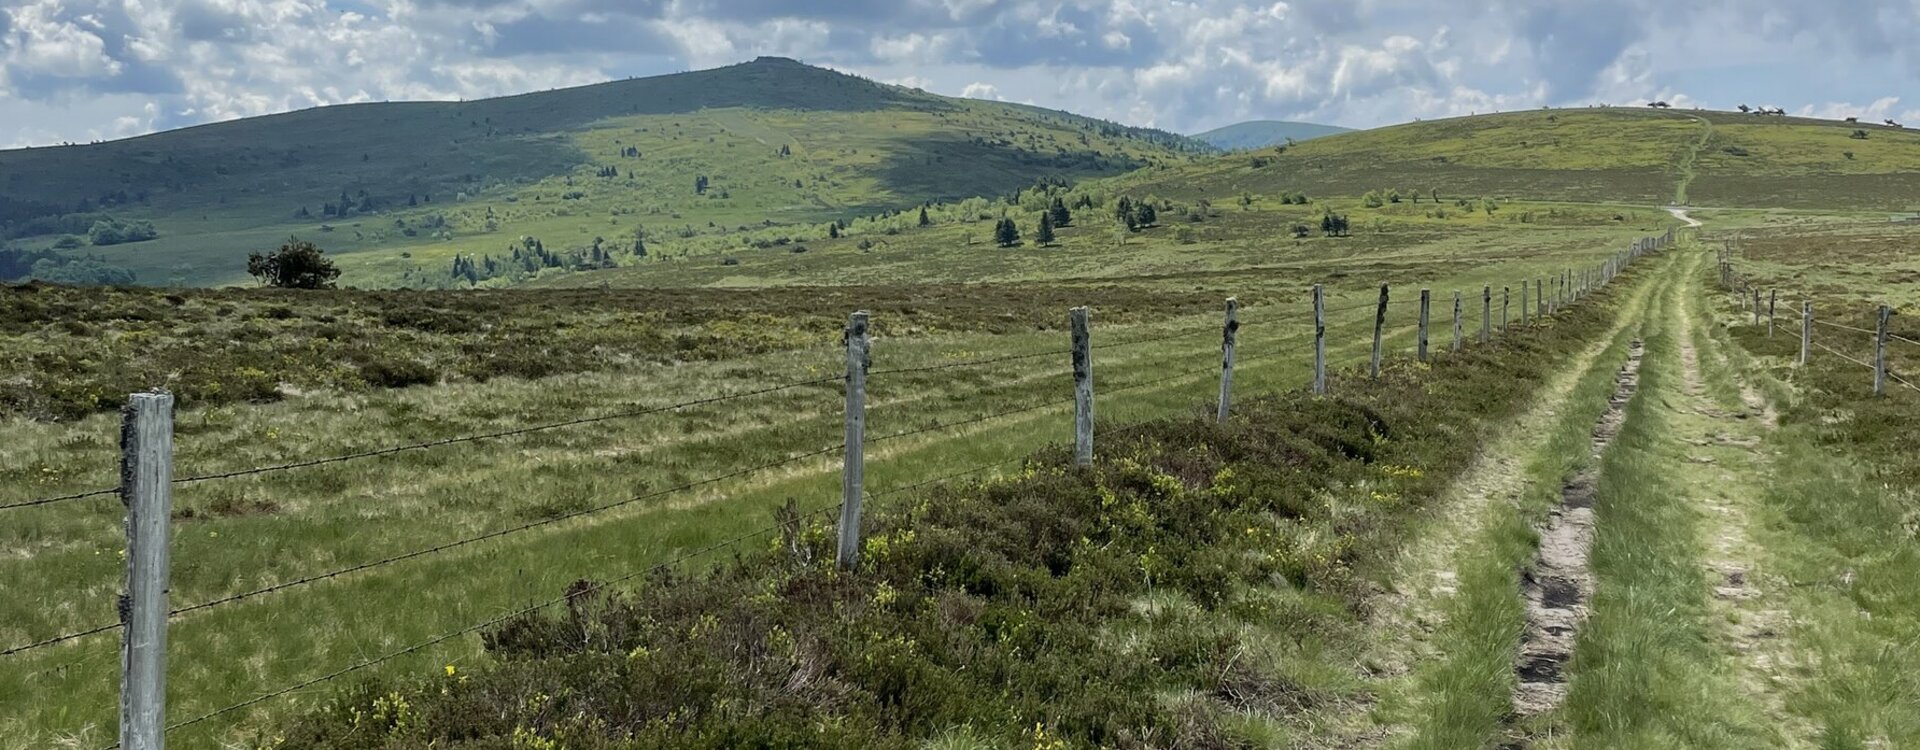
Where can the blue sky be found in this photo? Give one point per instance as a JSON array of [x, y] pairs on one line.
[[80, 70]]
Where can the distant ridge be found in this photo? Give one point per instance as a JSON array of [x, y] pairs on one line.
[[1263, 133]]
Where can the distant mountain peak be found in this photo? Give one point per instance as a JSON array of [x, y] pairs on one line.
[[1264, 133]]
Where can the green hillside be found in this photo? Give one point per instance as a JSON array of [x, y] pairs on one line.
[[777, 141], [1263, 133], [1628, 155]]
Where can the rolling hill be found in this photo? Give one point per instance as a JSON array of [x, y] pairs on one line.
[[1263, 133], [1642, 156], [399, 189]]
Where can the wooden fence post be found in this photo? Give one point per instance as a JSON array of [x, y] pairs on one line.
[[1756, 307], [1773, 298], [1506, 305], [1524, 307], [1880, 353], [853, 473], [146, 488], [1229, 333], [1082, 388], [1806, 331], [1426, 305], [1486, 313], [1379, 325], [1319, 339], [1539, 297], [1456, 320]]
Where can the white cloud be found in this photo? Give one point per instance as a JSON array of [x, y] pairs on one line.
[[978, 90], [41, 41]]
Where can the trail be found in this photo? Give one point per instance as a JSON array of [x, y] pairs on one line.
[[1689, 159], [1678, 589], [1722, 438], [1559, 584], [1426, 575], [1681, 214]]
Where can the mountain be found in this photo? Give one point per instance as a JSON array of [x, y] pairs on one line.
[[402, 191], [1631, 155], [1262, 133]]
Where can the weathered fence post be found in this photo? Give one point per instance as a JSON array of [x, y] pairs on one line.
[[1539, 297], [1773, 298], [1426, 304], [1880, 352], [853, 474], [1806, 331], [1379, 326], [146, 488], [1082, 388], [1456, 320], [1229, 332], [1756, 307], [1486, 313], [1524, 307], [1506, 305], [1319, 339]]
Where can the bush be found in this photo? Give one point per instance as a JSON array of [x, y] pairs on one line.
[[298, 264], [111, 231]]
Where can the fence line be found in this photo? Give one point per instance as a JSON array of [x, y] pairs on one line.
[[140, 700], [423, 445], [1745, 294]]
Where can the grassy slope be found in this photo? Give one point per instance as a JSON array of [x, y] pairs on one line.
[[217, 191], [1625, 155]]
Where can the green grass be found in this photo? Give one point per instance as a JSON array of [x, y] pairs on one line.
[[1224, 240], [300, 522], [1623, 155], [1462, 697], [1838, 531], [1199, 587], [1646, 672]]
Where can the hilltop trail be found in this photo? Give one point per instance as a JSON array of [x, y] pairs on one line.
[[1681, 214], [1689, 159]]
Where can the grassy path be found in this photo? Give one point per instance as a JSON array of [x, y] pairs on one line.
[[1450, 608], [1660, 662], [1689, 159]]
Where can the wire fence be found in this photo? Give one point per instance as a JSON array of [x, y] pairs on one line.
[[1812, 315], [1162, 368]]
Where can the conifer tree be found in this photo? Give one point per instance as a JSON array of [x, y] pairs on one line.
[[1006, 233]]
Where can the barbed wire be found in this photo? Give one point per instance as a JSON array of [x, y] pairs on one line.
[[307, 463], [1901, 380], [435, 549], [1835, 352], [1902, 339], [61, 498], [970, 363], [1845, 327], [593, 586], [945, 477]]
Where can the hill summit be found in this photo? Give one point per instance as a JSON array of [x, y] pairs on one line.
[[676, 157]]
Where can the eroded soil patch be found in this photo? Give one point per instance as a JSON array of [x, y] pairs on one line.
[[1559, 584]]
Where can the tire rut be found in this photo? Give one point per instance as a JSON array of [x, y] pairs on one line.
[[1559, 584]]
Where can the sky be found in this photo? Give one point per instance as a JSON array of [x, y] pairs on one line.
[[84, 70]]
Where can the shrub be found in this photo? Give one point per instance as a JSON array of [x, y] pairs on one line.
[[298, 264], [111, 231]]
